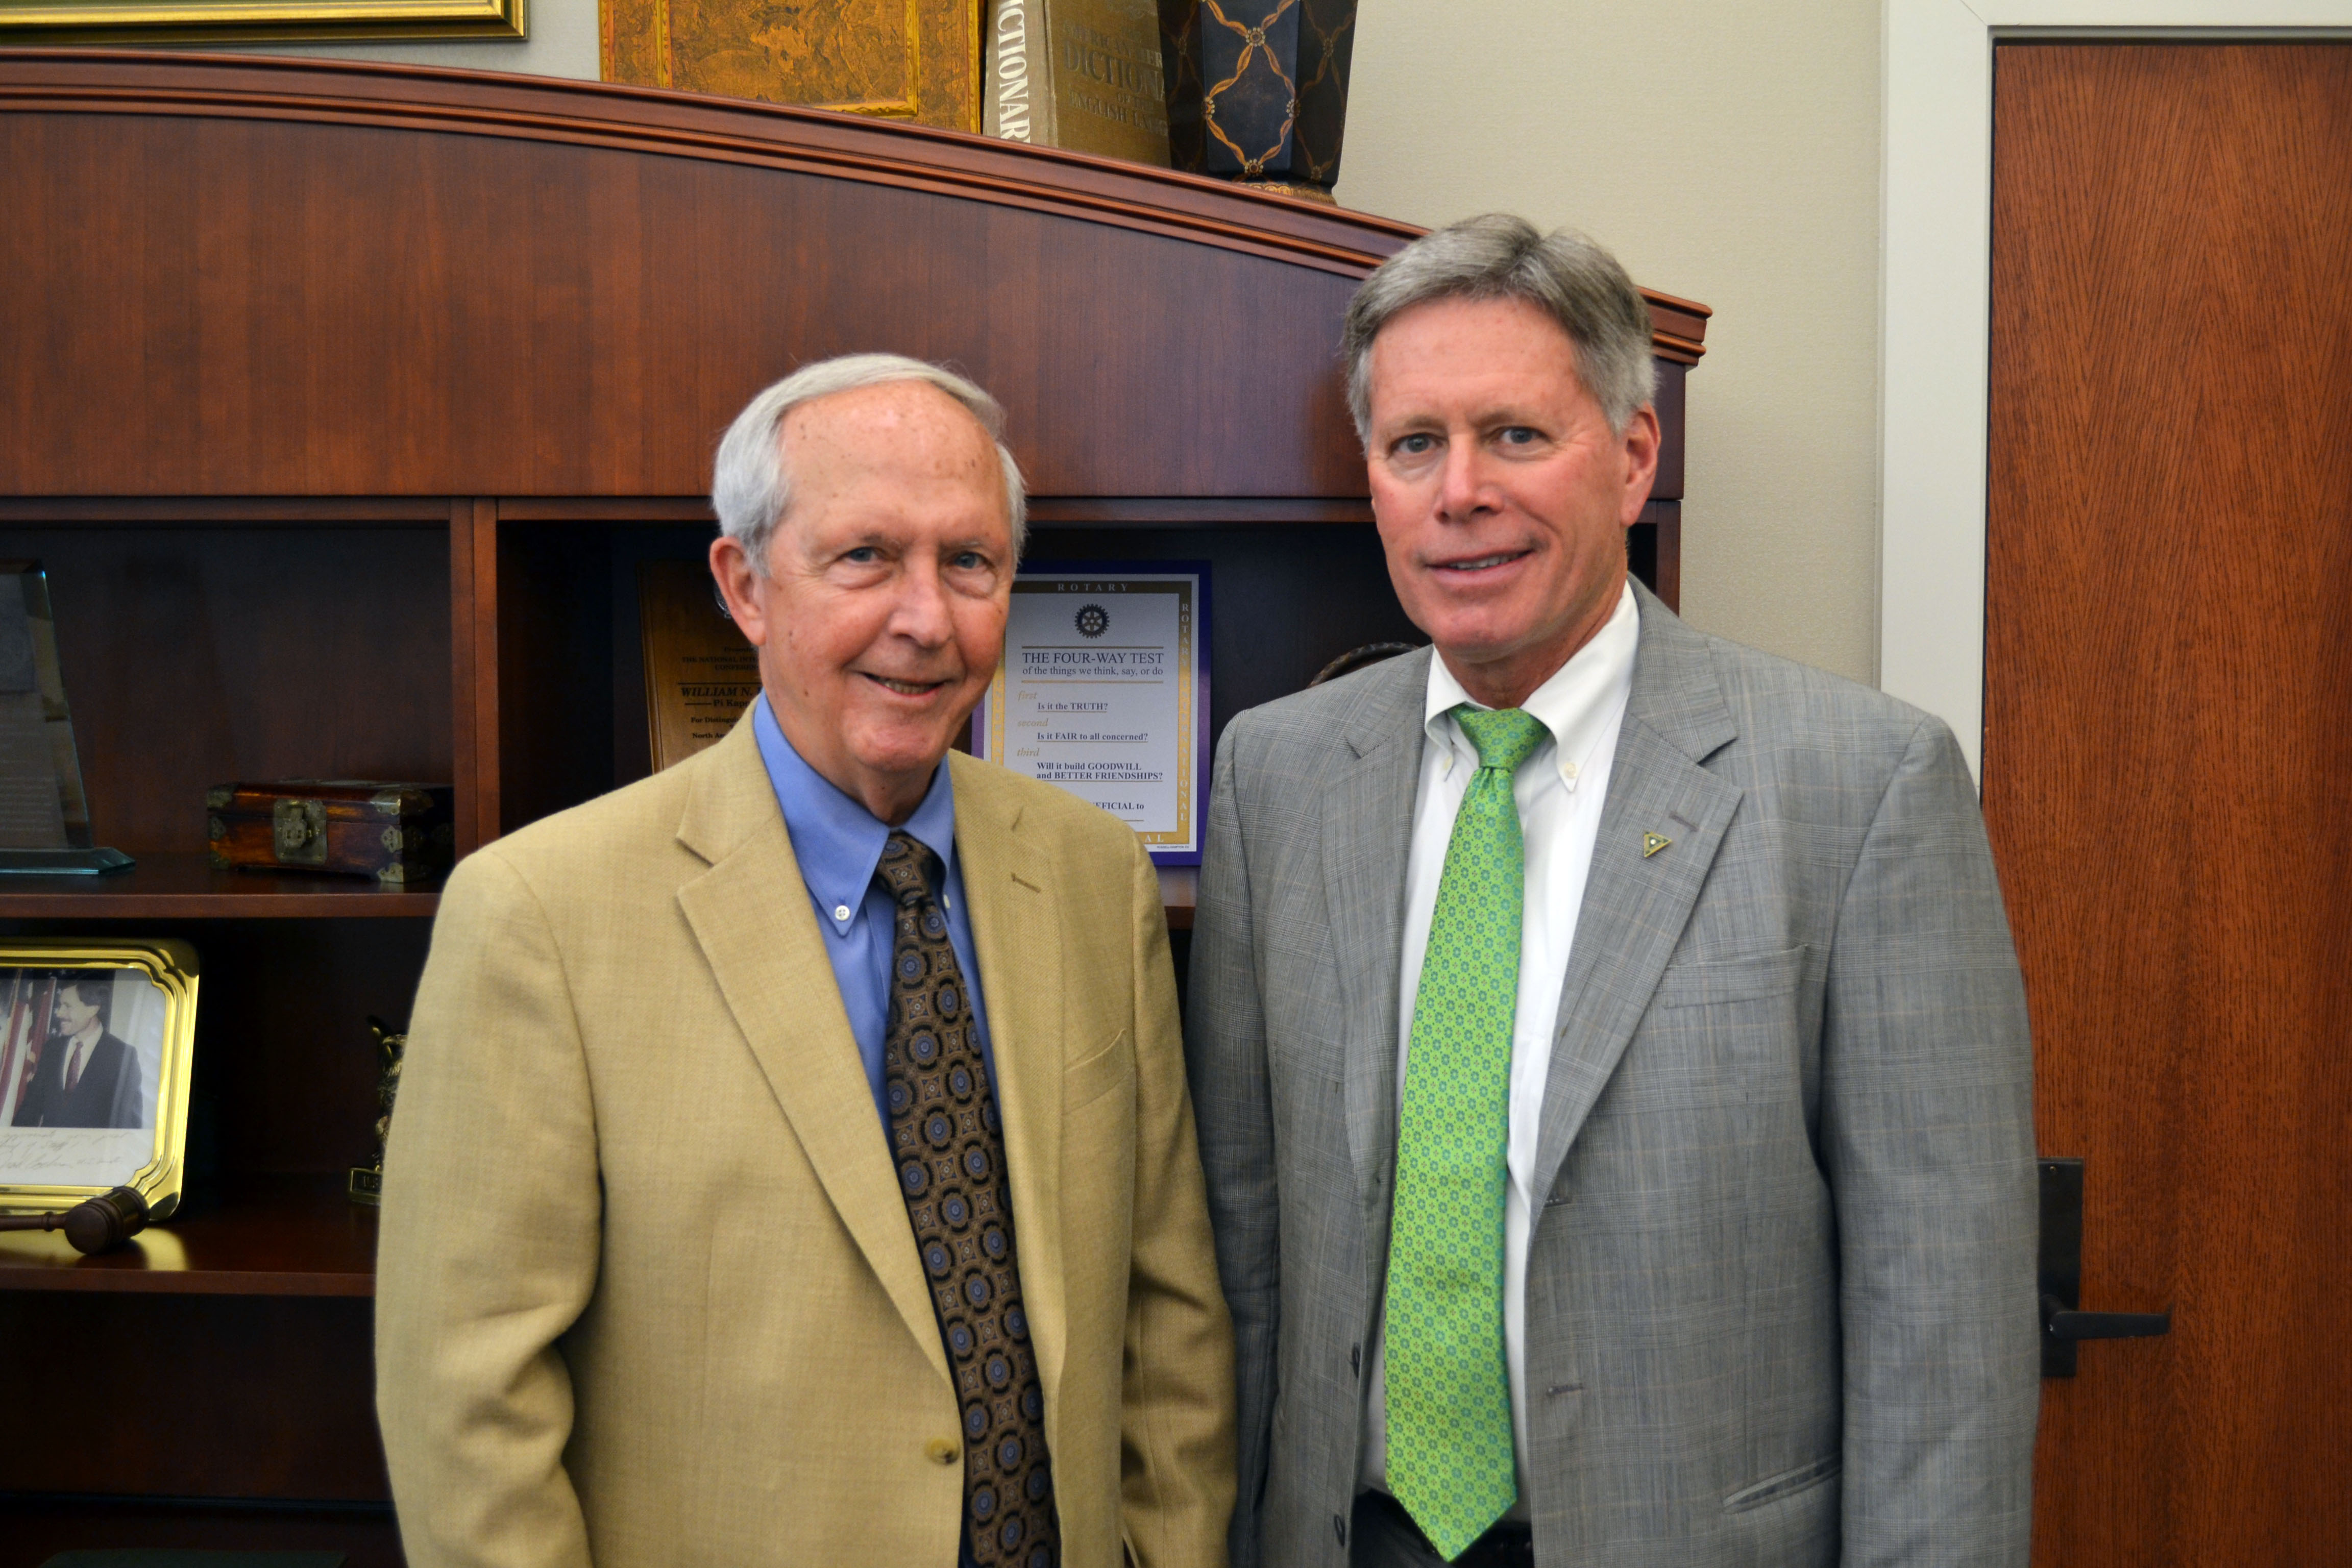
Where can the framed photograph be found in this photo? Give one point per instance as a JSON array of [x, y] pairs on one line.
[[1104, 689], [224, 21], [95, 1042]]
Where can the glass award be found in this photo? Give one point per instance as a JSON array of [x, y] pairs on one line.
[[44, 814]]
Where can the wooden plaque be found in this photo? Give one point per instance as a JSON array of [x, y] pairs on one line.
[[699, 672]]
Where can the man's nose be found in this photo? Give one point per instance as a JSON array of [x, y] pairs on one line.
[[920, 614], [1462, 482]]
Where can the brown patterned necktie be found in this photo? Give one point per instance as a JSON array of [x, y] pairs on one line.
[[948, 1144]]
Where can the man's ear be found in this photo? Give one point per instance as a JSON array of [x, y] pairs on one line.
[[1641, 444], [738, 580]]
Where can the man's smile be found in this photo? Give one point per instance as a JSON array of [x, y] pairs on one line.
[[1487, 563], [904, 688]]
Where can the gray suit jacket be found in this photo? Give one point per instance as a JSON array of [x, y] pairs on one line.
[[1779, 1302]]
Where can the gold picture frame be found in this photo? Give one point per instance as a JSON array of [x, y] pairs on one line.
[[228, 21], [112, 1109]]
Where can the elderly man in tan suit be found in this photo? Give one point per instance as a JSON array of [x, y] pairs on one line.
[[794, 1163]]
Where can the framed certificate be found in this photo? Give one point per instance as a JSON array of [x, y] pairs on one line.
[[1104, 689]]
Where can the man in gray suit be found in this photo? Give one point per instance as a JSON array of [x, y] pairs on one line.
[[1609, 1051]]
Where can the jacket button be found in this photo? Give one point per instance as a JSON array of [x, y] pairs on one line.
[[1340, 1528], [940, 1450], [1356, 1358]]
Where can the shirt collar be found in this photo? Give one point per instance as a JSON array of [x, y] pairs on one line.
[[835, 839], [1576, 704]]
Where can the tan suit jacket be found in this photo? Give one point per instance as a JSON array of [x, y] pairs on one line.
[[646, 1291]]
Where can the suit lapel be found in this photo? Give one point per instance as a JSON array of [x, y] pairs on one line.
[[1367, 841], [750, 912], [1635, 904], [1009, 883]]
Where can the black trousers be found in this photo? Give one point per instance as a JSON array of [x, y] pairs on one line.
[[1383, 1535]]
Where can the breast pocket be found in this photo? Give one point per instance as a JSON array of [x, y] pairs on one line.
[[1727, 1041], [1098, 1076], [1754, 977]]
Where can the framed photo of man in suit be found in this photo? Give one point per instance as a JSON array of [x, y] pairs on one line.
[[94, 1057]]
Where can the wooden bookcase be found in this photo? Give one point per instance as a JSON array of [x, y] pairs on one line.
[[342, 403]]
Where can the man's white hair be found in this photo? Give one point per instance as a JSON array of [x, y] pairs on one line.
[[751, 481]]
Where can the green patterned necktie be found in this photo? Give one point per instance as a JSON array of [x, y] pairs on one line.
[[1448, 1386]]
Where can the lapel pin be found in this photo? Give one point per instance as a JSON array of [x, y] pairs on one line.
[[1654, 842]]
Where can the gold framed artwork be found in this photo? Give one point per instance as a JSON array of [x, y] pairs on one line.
[[916, 60], [95, 1045], [224, 21]]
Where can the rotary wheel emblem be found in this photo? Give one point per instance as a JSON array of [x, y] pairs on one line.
[[1093, 620]]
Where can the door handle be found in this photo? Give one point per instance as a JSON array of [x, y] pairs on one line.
[[2061, 1271], [2060, 1322]]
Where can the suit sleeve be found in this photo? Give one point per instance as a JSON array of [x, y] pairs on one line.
[[1927, 1126], [1177, 1416], [489, 1241], [1226, 1045], [129, 1103]]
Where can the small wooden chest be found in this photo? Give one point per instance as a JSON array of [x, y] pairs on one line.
[[355, 827]]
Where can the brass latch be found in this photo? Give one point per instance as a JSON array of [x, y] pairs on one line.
[[299, 831]]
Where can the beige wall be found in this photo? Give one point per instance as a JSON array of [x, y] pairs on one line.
[[1727, 151]]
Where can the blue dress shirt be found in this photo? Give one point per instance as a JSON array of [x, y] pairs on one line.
[[838, 843]]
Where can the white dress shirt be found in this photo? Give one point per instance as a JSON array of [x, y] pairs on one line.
[[1559, 790]]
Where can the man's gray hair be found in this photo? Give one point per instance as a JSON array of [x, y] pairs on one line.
[[1499, 256], [751, 481]]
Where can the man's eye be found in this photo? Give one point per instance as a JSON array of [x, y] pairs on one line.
[[1518, 435], [968, 560], [1414, 446], [864, 555]]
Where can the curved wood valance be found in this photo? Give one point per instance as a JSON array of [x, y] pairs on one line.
[[247, 276]]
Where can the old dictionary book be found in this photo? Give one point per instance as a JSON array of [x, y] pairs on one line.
[[1079, 74]]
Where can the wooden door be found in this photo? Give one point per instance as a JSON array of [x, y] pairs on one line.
[[2168, 768]]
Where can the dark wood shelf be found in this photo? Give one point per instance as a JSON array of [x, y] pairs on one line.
[[187, 886], [1044, 511], [266, 1236], [1180, 890], [184, 886]]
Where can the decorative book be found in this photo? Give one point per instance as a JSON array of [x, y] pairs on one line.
[[1079, 74], [893, 59]]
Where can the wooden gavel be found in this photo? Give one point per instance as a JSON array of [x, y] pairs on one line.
[[94, 1224]]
